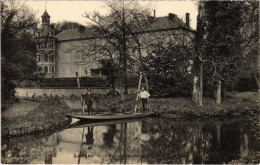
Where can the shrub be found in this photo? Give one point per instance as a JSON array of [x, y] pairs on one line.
[[168, 73]]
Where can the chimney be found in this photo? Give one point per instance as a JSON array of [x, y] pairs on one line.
[[171, 16], [188, 19], [154, 12]]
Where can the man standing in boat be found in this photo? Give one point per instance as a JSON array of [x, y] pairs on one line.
[[144, 95], [88, 98]]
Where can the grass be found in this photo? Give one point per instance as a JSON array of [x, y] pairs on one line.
[[182, 106], [51, 111], [46, 114]]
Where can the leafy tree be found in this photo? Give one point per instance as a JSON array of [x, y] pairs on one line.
[[220, 44], [170, 68], [111, 72], [18, 51], [250, 41]]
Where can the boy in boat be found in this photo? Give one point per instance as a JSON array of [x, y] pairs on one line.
[[144, 95], [88, 98]]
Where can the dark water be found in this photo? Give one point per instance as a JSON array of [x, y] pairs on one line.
[[150, 140]]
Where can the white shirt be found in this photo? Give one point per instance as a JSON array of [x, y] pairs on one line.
[[144, 94]]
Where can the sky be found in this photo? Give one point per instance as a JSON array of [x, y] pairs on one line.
[[74, 10]]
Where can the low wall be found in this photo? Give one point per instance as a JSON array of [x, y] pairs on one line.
[[29, 92]]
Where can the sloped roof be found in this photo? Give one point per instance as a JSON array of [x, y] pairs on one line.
[[156, 24], [161, 23], [45, 14], [72, 34]]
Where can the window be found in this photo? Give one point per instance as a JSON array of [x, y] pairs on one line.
[[39, 34], [45, 45], [52, 69], [52, 58], [46, 69], [39, 58], [52, 45], [46, 58], [52, 76]]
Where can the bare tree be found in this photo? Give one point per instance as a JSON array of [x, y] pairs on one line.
[[116, 36]]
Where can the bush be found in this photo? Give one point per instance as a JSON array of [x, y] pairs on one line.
[[168, 73], [246, 84]]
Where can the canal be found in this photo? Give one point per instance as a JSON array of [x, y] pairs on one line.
[[144, 141]]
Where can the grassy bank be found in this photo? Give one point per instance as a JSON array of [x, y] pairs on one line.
[[182, 106], [48, 115]]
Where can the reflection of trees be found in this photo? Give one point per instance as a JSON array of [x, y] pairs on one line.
[[230, 141], [194, 142], [27, 149], [154, 141], [108, 137]]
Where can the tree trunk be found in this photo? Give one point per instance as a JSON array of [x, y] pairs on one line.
[[257, 73], [201, 85], [195, 94], [219, 92], [146, 83]]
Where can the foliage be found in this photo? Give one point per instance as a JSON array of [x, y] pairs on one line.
[[221, 43], [169, 72], [250, 41], [179, 106], [228, 42], [110, 71], [65, 25], [18, 47]]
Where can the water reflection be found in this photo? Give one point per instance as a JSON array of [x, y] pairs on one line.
[[142, 141]]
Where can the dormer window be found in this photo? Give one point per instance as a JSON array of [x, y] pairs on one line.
[[51, 34]]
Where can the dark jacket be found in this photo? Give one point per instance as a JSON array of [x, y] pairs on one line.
[[88, 98]]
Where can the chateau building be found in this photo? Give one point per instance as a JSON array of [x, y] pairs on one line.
[[56, 54], [46, 47]]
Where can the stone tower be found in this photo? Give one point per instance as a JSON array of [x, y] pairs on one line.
[[46, 47]]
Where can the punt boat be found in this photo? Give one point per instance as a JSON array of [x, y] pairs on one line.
[[109, 116]]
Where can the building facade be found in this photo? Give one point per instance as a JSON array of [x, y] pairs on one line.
[[72, 50], [46, 47]]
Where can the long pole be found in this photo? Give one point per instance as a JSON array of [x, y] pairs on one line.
[[139, 85], [81, 99], [201, 85]]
